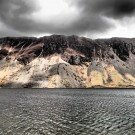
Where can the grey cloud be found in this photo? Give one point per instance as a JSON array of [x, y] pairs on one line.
[[111, 8], [117, 8], [13, 14]]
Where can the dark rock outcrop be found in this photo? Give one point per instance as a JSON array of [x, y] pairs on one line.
[[58, 43]]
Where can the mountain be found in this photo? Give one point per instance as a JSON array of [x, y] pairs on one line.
[[59, 61]]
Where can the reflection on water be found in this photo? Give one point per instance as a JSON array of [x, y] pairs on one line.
[[67, 112]]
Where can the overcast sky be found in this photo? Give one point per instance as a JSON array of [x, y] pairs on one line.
[[90, 18]]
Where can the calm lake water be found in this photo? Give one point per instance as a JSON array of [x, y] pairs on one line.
[[67, 112]]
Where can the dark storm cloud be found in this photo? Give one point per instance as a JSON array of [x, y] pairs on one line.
[[12, 13], [16, 15], [110, 8]]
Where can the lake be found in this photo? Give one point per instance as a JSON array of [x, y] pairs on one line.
[[67, 112]]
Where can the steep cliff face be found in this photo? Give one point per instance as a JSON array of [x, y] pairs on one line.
[[60, 61]]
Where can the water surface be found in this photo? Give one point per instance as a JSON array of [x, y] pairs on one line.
[[67, 112]]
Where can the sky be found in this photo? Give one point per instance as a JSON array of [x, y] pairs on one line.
[[89, 18]]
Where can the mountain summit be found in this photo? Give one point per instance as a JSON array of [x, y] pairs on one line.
[[59, 61]]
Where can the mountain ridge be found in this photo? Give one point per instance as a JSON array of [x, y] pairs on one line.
[[99, 60]]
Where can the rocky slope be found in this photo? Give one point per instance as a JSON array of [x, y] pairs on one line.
[[60, 61]]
